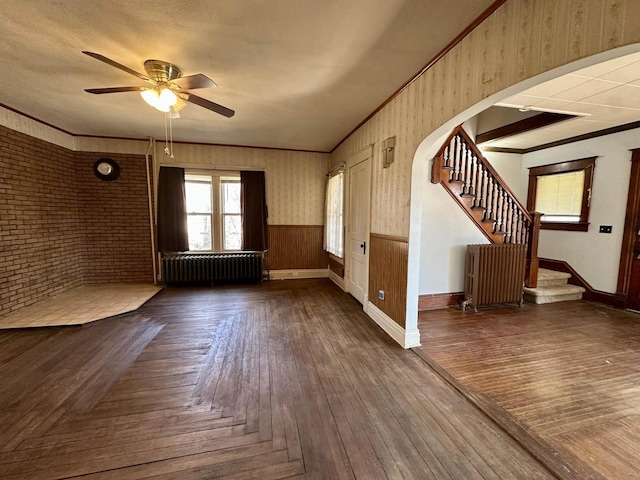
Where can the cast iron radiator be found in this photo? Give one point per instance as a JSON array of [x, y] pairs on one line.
[[212, 268], [494, 274]]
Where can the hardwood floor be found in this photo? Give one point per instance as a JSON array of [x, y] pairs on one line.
[[286, 379], [563, 378]]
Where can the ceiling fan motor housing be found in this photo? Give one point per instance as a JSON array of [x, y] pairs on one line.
[[161, 72]]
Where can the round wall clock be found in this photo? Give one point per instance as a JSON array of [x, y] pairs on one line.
[[106, 169]]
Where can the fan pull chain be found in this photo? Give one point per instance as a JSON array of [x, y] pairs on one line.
[[166, 141], [171, 133]]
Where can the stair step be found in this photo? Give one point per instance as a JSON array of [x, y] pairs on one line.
[[470, 195], [455, 181], [478, 208], [553, 294], [549, 278]]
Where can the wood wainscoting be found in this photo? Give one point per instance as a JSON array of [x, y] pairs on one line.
[[336, 267], [295, 247], [434, 301], [388, 261]]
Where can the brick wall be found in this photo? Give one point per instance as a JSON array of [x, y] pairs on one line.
[[40, 228], [60, 226], [115, 216]]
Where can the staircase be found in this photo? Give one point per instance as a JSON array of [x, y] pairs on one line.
[[553, 287], [473, 183]]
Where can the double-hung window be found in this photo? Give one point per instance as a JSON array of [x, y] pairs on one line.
[[562, 193], [214, 218]]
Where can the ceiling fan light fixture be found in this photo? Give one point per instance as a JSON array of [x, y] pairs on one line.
[[159, 98], [167, 97], [150, 96]]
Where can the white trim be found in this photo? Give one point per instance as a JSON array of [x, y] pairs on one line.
[[295, 274], [412, 338], [363, 155], [360, 156], [395, 331], [338, 280]]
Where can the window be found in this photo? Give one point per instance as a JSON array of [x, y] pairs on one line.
[[214, 221], [333, 234], [562, 193]]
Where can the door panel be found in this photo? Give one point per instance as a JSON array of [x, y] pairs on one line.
[[633, 301], [358, 229]]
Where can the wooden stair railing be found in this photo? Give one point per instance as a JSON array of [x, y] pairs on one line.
[[474, 184]]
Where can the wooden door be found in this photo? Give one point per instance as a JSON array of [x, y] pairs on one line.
[[357, 245], [633, 299], [629, 271]]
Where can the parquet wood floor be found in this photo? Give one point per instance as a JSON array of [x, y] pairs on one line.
[[562, 378], [286, 379]]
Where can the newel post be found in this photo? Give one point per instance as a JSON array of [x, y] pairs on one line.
[[531, 279]]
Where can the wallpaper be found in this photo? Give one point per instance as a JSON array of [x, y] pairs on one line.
[[295, 181], [35, 129], [521, 39]]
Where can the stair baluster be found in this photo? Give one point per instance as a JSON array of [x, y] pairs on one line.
[[456, 159], [474, 176]]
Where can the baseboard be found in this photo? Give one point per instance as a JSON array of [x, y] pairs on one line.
[[434, 301], [338, 280], [295, 274], [405, 339], [615, 300], [412, 338]]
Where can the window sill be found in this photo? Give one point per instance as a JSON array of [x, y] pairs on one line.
[[570, 227], [209, 252], [336, 259]]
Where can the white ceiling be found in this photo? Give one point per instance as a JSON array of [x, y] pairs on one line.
[[299, 73], [604, 95]]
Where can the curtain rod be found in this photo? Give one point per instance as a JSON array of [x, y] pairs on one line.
[[213, 167], [340, 165]]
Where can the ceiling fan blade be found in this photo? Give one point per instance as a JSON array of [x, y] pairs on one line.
[[209, 105], [194, 81], [114, 90], [108, 61]]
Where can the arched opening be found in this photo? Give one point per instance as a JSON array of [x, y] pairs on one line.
[[438, 233]]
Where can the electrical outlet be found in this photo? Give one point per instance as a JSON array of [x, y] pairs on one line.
[[381, 294], [606, 228]]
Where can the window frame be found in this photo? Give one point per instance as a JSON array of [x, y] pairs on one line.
[[217, 216], [222, 179], [584, 164]]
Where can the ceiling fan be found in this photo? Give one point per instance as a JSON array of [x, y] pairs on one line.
[[169, 89]]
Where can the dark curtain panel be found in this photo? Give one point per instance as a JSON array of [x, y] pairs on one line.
[[172, 211], [254, 211]]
